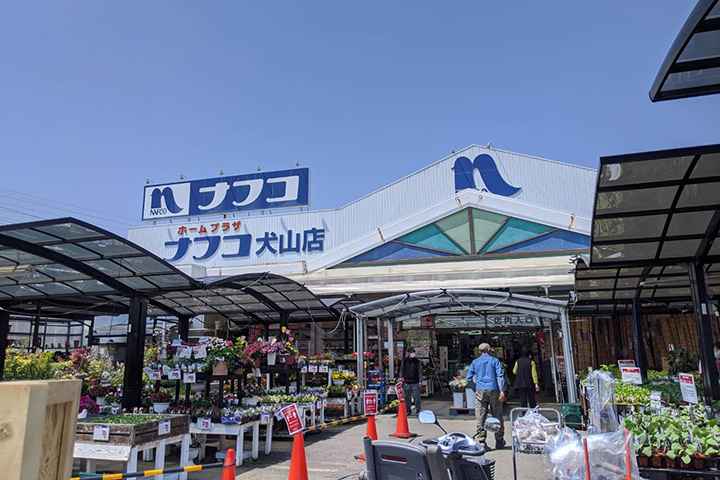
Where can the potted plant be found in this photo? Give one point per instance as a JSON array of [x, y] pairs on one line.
[[458, 386], [114, 399], [338, 378], [161, 401], [271, 349], [88, 404], [289, 351], [251, 394], [221, 356], [98, 392], [195, 445]]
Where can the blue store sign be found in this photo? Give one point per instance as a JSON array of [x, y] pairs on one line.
[[232, 194]]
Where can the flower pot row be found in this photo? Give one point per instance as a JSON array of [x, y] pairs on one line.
[[660, 460]]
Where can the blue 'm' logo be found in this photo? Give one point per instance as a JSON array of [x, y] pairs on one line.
[[485, 165], [167, 194]]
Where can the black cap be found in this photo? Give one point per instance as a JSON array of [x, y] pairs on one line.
[[410, 349]]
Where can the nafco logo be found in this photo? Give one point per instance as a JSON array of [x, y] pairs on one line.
[[488, 177]]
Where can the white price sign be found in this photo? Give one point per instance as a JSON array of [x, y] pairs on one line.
[[313, 368], [631, 375], [163, 427], [204, 423], [687, 388], [200, 351], [154, 375], [265, 418], [101, 433], [324, 369], [174, 374], [190, 377], [184, 351], [626, 363], [304, 369]]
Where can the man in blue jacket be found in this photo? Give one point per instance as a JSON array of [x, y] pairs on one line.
[[489, 387]]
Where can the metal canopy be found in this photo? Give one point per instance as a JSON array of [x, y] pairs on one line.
[[70, 267], [692, 66], [414, 305]]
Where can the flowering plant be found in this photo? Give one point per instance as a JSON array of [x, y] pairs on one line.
[[219, 350], [252, 390], [273, 346], [99, 391], [87, 403], [197, 441], [459, 384], [114, 397], [160, 397], [254, 349]]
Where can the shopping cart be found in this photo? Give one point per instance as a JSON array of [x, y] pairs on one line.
[[535, 446]]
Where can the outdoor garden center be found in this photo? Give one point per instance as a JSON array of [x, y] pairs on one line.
[[560, 321]]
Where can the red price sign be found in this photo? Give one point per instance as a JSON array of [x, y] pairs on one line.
[[371, 403], [292, 417], [400, 392]]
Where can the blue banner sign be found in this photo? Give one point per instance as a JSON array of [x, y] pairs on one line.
[[232, 194]]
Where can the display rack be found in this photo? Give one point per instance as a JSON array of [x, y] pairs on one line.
[[377, 380]]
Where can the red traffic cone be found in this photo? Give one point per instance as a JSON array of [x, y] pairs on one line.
[[371, 432], [228, 472], [402, 430], [298, 462]]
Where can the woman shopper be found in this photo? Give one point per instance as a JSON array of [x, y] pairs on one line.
[[526, 379]]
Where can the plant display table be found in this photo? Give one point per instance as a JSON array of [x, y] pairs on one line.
[[237, 430], [120, 438]]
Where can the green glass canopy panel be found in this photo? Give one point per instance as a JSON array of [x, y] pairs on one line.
[[457, 227], [431, 236], [485, 225], [515, 231]]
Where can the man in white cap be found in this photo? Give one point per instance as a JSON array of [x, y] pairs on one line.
[[489, 385]]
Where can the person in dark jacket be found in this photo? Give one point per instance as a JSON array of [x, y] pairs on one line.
[[411, 376], [526, 379]]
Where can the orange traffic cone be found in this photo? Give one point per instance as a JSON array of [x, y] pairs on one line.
[[298, 462], [402, 430], [371, 432], [228, 472]]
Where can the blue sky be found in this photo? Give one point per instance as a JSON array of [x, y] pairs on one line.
[[96, 96]]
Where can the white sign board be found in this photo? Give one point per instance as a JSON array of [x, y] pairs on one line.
[[163, 427], [101, 433], [204, 423], [631, 375], [626, 363], [687, 388], [190, 377]]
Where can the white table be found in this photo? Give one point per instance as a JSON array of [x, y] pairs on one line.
[[239, 431], [92, 452]]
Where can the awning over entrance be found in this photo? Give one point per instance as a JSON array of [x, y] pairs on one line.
[[692, 66], [411, 306]]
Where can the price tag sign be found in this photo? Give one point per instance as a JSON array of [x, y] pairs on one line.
[[174, 374], [184, 351], [324, 402], [204, 340], [101, 433], [631, 375], [177, 342], [278, 414], [324, 369], [687, 388], [313, 368], [200, 351], [292, 417], [626, 363], [400, 392], [371, 403], [190, 377], [166, 370], [154, 375], [204, 423], [655, 400], [163, 427], [265, 418], [304, 369]]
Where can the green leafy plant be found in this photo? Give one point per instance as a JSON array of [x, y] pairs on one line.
[[682, 361]]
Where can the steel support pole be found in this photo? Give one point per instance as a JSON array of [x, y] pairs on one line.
[[391, 347], [91, 332], [380, 342], [640, 355], [4, 332], [701, 307], [184, 327], [346, 344], [137, 322], [360, 350], [569, 360], [36, 330], [553, 364]]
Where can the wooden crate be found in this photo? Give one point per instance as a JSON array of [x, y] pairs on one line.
[[37, 429], [132, 434]]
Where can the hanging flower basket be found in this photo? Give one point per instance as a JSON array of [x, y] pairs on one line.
[[220, 368], [271, 357], [286, 359]]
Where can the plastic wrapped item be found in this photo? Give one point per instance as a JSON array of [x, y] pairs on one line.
[[603, 411], [532, 431], [609, 456]]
